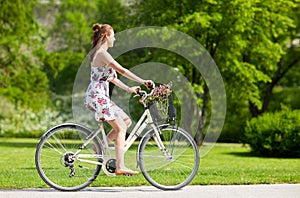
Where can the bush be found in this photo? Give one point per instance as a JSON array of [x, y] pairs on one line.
[[23, 122], [275, 134]]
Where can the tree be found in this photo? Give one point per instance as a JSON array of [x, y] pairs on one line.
[[245, 38], [21, 80], [72, 27], [113, 12], [276, 26], [69, 37]]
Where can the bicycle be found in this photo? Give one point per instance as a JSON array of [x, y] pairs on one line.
[[69, 156]]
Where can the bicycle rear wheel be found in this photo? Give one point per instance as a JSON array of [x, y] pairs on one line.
[[57, 163], [176, 167]]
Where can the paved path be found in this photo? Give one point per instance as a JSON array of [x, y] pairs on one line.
[[224, 191]]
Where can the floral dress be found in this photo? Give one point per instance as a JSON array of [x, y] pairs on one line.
[[97, 94]]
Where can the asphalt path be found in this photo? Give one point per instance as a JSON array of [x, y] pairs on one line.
[[215, 191]]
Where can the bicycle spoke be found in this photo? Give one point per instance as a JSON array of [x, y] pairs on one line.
[[56, 161], [172, 171], [59, 143], [53, 147]]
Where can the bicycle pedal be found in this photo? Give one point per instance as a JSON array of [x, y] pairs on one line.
[[127, 175]]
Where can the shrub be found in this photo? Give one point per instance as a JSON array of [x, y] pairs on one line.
[[26, 123], [23, 122], [275, 134]]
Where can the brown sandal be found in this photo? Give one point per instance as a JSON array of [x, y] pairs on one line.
[[125, 172]]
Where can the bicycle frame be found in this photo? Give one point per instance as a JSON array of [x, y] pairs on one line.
[[145, 119]]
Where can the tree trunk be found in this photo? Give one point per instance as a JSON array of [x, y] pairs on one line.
[[255, 112], [199, 135]]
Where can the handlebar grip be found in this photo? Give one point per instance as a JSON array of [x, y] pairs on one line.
[[137, 91], [140, 93], [149, 85]]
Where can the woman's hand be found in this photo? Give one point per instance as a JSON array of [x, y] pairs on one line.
[[149, 84], [134, 89]]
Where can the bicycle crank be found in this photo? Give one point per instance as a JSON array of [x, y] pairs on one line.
[[109, 167]]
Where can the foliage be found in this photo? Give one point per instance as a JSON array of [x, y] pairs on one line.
[[236, 118], [247, 39], [254, 43], [28, 89], [61, 70], [280, 57], [23, 122], [30, 76], [288, 96], [71, 30], [70, 37], [113, 12], [275, 134], [21, 80]]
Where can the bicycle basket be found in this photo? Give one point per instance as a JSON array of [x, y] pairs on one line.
[[161, 105]]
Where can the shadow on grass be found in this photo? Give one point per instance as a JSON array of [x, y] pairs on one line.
[[256, 155], [241, 154]]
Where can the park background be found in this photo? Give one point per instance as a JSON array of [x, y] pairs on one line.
[[254, 43]]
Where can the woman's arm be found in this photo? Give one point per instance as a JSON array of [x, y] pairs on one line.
[[125, 72], [107, 58], [120, 84]]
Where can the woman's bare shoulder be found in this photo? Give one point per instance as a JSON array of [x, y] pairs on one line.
[[104, 54], [102, 58]]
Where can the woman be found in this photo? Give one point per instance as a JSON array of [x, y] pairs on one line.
[[103, 71]]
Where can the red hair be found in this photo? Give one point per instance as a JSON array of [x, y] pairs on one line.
[[100, 31]]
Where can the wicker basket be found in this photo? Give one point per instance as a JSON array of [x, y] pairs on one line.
[[163, 110]]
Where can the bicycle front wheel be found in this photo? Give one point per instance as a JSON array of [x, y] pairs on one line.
[[60, 166], [173, 168]]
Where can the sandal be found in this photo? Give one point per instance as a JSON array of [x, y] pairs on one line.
[[125, 172]]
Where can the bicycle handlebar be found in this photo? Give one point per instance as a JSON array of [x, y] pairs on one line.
[[143, 94]]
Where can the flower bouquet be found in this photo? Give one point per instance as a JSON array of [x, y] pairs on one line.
[[160, 93], [158, 102]]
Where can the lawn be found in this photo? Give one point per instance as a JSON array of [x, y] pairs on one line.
[[224, 164]]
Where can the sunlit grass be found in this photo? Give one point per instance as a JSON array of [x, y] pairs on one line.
[[224, 164]]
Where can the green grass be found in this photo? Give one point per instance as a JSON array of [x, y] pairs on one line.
[[224, 164]]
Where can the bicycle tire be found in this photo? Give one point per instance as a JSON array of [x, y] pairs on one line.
[[54, 158], [175, 171]]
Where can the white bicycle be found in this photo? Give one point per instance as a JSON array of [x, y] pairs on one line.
[[69, 156]]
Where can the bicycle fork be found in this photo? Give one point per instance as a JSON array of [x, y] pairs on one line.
[[160, 144], [158, 141]]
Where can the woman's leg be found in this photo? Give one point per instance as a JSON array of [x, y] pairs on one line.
[[120, 127], [113, 134]]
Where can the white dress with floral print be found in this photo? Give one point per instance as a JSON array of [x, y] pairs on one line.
[[97, 94]]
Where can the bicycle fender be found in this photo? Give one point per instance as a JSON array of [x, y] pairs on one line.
[[72, 125]]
